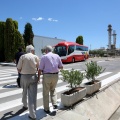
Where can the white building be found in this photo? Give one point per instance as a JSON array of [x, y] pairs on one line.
[[40, 42]]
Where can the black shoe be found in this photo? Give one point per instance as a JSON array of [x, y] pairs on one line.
[[55, 106], [25, 108], [32, 118], [47, 111]]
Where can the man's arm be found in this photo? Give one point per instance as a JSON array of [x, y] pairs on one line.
[[39, 73]]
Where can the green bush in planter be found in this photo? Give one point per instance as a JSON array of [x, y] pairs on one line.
[[73, 77], [93, 70]]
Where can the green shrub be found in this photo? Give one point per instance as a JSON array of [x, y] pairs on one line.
[[93, 70], [73, 77]]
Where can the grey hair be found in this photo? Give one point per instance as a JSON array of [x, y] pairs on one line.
[[29, 48], [48, 48]]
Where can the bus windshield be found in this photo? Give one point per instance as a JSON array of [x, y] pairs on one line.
[[60, 50]]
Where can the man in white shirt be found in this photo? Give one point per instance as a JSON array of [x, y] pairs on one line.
[[27, 66]]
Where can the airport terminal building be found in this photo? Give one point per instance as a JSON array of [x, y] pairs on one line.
[[40, 42]]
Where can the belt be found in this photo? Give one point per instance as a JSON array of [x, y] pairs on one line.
[[51, 73]]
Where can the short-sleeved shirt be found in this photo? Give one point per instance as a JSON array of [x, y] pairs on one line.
[[27, 63], [50, 63]]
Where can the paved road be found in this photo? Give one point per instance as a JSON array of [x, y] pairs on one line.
[[10, 95]]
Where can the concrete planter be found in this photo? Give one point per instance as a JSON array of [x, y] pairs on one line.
[[70, 99], [91, 88]]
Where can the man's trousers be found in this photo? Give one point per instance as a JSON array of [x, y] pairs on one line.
[[29, 85], [49, 85]]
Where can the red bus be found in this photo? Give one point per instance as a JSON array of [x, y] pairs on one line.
[[71, 51]]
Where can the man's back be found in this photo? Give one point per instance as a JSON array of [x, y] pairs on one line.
[[50, 62], [28, 62]]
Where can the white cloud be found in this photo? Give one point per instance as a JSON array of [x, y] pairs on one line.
[[40, 18], [37, 19], [49, 19], [53, 20]]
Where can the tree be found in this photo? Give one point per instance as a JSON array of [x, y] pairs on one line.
[[97, 52], [79, 40], [9, 40], [28, 34], [19, 42], [15, 24], [2, 28], [12, 39]]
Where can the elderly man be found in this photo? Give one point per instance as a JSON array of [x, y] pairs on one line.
[[49, 65], [27, 66]]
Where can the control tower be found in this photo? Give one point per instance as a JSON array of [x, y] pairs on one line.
[[109, 36]]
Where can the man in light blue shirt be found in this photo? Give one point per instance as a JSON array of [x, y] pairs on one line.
[[50, 64]]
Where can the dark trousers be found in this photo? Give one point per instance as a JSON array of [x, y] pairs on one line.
[[18, 80]]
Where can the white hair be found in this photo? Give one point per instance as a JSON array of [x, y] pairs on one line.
[[48, 48], [29, 48]]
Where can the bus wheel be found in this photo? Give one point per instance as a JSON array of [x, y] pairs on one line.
[[73, 60]]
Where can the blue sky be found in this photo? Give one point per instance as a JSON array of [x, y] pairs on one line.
[[66, 19]]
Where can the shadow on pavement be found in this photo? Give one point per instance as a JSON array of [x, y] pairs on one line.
[[9, 115], [10, 86]]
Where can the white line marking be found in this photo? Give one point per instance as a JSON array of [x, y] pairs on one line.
[[110, 79], [101, 75], [17, 102], [101, 61], [5, 75], [10, 77], [5, 71], [18, 91]]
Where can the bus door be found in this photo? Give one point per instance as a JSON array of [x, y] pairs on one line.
[[71, 56]]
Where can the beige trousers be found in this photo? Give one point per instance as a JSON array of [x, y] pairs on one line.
[[49, 85]]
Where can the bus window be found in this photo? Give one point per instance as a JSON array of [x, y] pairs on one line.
[[81, 48], [71, 49]]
